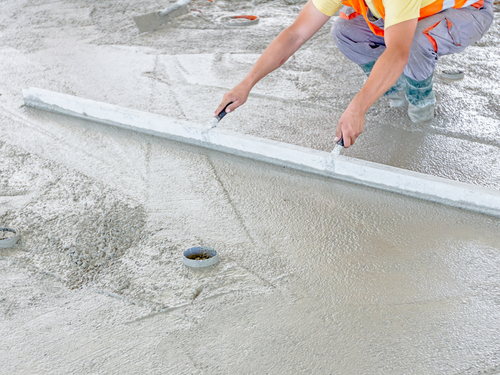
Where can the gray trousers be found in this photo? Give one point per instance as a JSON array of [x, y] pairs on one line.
[[446, 32]]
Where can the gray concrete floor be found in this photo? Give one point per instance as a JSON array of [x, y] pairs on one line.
[[317, 276]]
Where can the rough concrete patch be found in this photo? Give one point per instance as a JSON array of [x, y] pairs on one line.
[[85, 234], [73, 228]]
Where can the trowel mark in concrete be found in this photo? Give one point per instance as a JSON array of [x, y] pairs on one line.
[[160, 74], [230, 201], [161, 70], [240, 220]]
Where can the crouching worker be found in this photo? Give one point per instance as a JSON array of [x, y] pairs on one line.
[[396, 42]]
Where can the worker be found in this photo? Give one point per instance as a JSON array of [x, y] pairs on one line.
[[397, 43]]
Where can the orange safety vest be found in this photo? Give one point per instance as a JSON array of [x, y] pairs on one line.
[[437, 6]]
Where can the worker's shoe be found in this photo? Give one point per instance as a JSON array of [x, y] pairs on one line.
[[421, 99], [418, 114], [396, 94]]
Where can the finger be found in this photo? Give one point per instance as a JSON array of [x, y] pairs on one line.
[[221, 106], [231, 107], [349, 138], [352, 140], [338, 134]]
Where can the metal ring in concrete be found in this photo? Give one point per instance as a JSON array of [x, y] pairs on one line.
[[8, 241], [244, 20], [199, 257], [453, 75]]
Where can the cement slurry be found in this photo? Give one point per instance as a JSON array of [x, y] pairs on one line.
[[316, 276], [419, 185]]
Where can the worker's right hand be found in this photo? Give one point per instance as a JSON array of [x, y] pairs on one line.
[[238, 95], [350, 125]]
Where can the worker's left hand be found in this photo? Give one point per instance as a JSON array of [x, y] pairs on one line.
[[350, 125]]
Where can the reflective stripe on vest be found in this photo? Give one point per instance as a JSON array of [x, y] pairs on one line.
[[431, 9]]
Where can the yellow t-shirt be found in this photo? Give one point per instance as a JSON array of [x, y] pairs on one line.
[[396, 11]]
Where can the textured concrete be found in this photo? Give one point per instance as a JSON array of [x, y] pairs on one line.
[[316, 276]]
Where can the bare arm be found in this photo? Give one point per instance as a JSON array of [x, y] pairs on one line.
[[308, 22], [386, 71]]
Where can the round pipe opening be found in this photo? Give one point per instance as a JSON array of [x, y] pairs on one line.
[[8, 237], [200, 256], [453, 75], [243, 20]]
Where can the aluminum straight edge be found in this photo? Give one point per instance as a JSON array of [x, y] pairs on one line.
[[414, 184]]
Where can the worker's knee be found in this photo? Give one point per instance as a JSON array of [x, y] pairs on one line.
[[445, 33], [340, 33], [422, 58], [356, 41]]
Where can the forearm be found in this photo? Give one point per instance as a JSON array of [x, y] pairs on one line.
[[275, 55], [308, 22], [383, 76]]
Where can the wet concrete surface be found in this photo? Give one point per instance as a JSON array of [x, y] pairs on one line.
[[317, 276]]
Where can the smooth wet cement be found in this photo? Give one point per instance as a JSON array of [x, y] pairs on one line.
[[316, 276]]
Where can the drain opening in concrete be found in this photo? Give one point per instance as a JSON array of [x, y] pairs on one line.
[[454, 75], [200, 256], [8, 237]]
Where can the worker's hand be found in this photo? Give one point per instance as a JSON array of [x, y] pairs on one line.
[[350, 125], [238, 95]]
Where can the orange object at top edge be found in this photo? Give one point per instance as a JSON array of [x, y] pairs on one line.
[[251, 18]]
